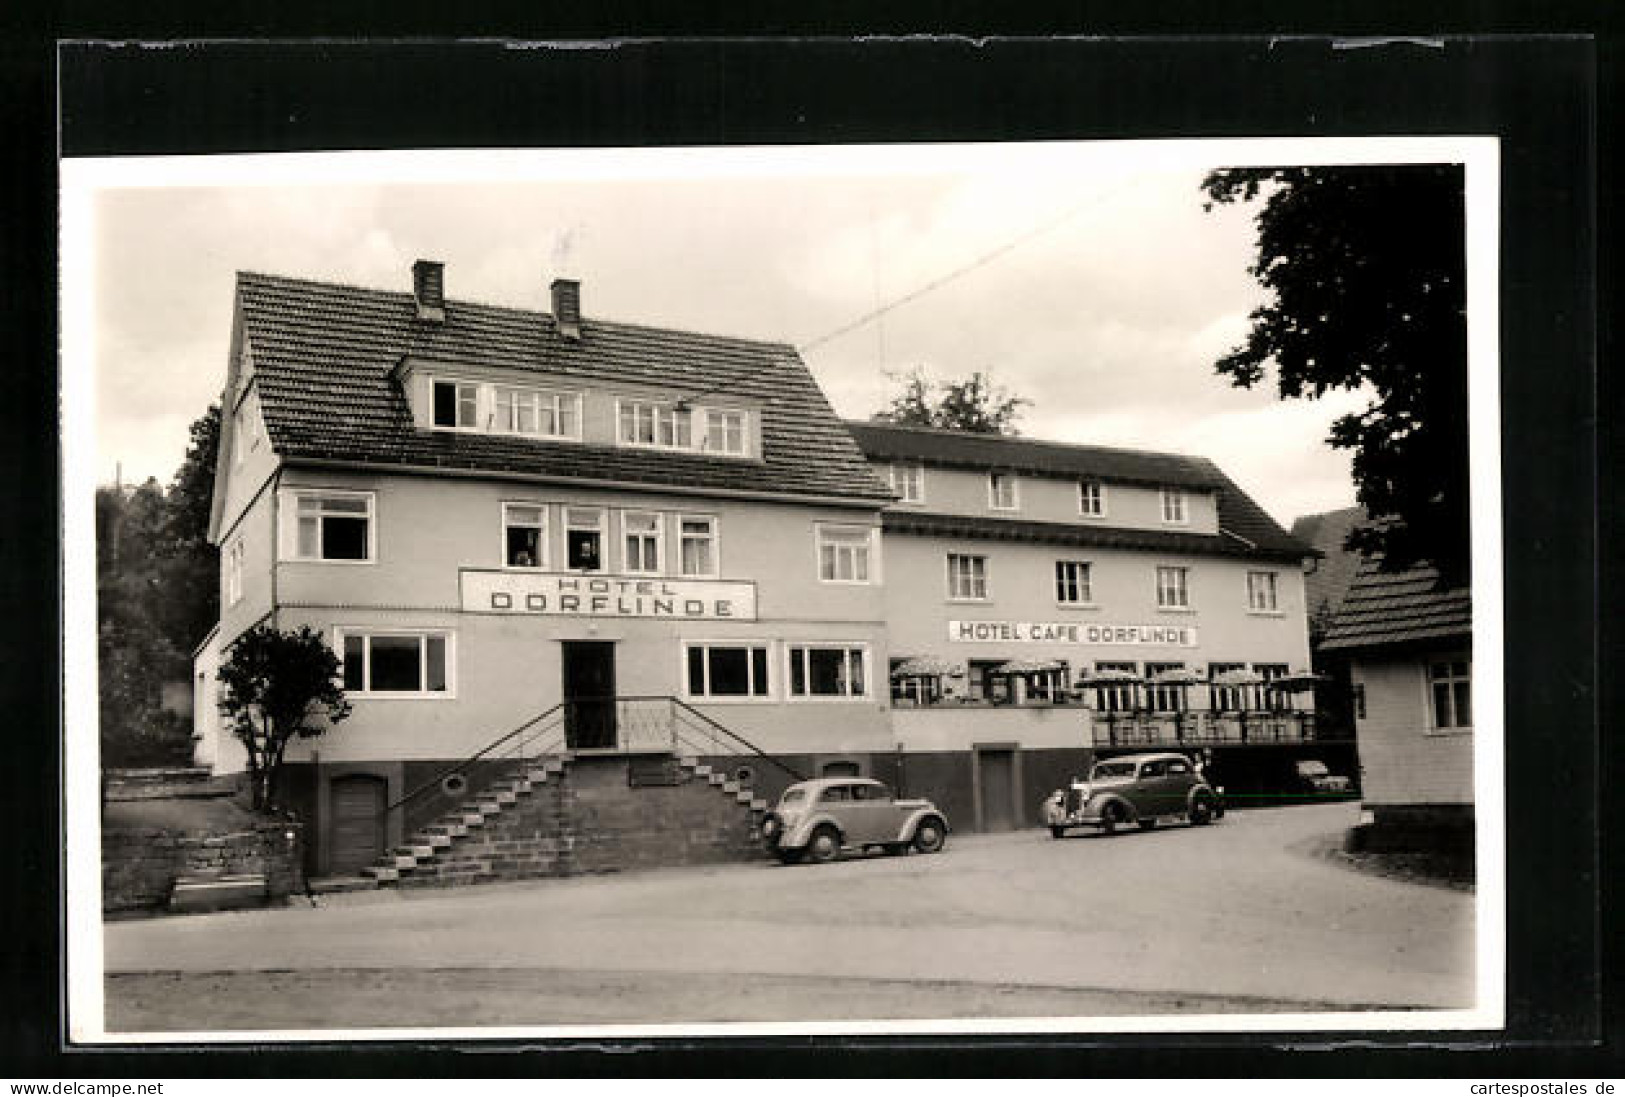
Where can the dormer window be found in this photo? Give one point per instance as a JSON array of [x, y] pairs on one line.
[[1173, 506], [725, 431], [537, 412], [457, 405], [662, 426]]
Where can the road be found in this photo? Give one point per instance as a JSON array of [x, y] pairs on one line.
[[1242, 916]]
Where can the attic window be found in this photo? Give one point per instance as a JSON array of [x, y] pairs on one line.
[[456, 404]]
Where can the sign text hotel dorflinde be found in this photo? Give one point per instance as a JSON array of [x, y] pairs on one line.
[[573, 595], [1070, 632]]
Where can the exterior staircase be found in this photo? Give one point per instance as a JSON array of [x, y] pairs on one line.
[[568, 813]]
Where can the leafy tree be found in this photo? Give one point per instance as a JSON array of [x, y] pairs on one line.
[[279, 685], [190, 564], [1366, 272], [974, 404]]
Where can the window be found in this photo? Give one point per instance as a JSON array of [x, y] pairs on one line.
[[725, 431], [1091, 499], [1001, 491], [1452, 687], [843, 553], [727, 670], [1072, 583], [333, 525], [828, 671], [1271, 699], [396, 664], [1164, 698], [524, 535], [1172, 589], [1261, 591], [967, 577], [584, 539], [1173, 506], [1118, 698], [643, 540], [234, 572], [457, 404], [536, 412], [1226, 698], [662, 426], [986, 685], [698, 545], [908, 481]]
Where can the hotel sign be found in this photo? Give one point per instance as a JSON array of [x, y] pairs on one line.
[[1070, 632], [576, 595]]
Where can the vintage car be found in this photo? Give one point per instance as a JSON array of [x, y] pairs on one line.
[[1143, 789], [816, 820], [1314, 776]]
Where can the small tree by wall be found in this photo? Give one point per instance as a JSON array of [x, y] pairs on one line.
[[279, 685]]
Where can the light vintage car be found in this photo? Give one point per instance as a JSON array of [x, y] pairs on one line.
[[1142, 789], [816, 820], [1314, 776]]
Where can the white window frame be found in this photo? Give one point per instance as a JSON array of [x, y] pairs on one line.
[[1098, 495], [769, 696], [1183, 587], [541, 535], [984, 577], [540, 399], [1175, 507], [602, 529], [1084, 582], [715, 538], [482, 413], [1428, 682], [290, 524], [1263, 593], [659, 536], [368, 632], [993, 479], [902, 475], [702, 440], [839, 537], [659, 411], [865, 656], [233, 558]]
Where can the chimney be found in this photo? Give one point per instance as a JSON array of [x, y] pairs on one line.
[[567, 307], [429, 289]]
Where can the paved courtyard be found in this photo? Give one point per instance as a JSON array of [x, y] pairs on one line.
[[1243, 916]]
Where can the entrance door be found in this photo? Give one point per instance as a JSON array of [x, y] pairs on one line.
[[589, 694], [357, 833], [996, 770]]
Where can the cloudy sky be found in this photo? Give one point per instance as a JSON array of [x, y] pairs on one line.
[[1085, 277]]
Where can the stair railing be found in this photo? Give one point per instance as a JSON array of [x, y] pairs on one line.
[[523, 743], [711, 730]]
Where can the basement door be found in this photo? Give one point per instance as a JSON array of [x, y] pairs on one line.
[[357, 833], [996, 792], [589, 694]]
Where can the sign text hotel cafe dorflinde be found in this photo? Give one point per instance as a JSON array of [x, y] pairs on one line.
[[1070, 632], [575, 595]]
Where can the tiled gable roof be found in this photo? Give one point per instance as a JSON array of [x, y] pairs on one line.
[[323, 354], [1244, 525], [1399, 608], [1326, 586]]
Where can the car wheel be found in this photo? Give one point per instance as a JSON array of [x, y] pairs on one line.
[[929, 837], [1201, 811], [1057, 832], [1112, 816], [824, 845]]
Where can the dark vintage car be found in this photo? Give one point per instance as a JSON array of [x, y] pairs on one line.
[[816, 820], [1142, 789]]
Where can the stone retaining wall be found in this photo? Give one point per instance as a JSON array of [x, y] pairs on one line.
[[140, 864]]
